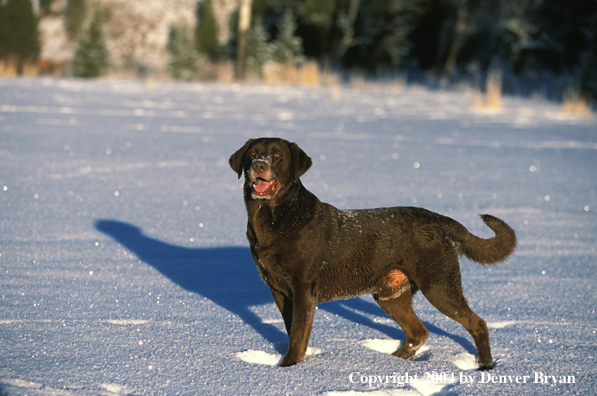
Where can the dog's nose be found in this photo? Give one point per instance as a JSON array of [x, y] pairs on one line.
[[259, 166]]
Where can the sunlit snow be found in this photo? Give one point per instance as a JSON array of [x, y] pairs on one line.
[[125, 270]]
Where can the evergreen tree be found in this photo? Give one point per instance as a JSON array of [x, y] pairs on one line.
[[288, 48], [260, 50], [183, 56], [74, 17], [206, 32], [45, 6], [91, 57], [319, 12], [19, 34], [588, 77]]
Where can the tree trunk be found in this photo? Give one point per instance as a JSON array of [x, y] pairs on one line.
[[457, 37], [244, 26], [353, 9]]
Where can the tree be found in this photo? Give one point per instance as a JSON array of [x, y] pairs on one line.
[[206, 32], [19, 34], [348, 30], [288, 48], [74, 17], [183, 56], [45, 6], [91, 57], [259, 51]]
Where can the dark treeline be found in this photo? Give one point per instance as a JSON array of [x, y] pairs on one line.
[[535, 39], [538, 46]]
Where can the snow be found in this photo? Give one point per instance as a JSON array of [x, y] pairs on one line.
[[124, 269]]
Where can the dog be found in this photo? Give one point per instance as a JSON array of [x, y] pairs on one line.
[[308, 252]]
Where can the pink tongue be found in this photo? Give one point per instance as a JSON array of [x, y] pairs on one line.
[[260, 186]]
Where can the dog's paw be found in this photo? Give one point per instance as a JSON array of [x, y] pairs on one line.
[[289, 361], [486, 366]]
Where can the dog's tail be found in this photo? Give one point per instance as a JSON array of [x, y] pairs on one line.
[[485, 251]]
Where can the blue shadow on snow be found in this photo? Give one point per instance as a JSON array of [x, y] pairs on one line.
[[228, 277]]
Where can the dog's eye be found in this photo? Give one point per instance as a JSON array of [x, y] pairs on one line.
[[277, 155], [252, 153]]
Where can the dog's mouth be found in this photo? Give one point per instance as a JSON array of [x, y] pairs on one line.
[[265, 189]]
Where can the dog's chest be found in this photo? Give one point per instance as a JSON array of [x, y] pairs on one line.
[[273, 272]]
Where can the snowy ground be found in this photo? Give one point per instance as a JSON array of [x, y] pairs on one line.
[[124, 268]]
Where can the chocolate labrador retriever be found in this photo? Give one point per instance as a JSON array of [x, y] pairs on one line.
[[307, 251]]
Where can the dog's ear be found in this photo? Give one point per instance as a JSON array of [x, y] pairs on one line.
[[301, 162], [237, 159]]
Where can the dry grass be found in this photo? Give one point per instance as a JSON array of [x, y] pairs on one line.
[[309, 74], [306, 75], [12, 67], [492, 100], [30, 70], [8, 68], [575, 104], [225, 72]]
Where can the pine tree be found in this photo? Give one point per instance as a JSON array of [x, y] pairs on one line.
[[260, 51], [45, 6], [74, 17], [206, 32], [288, 48], [91, 57], [183, 56], [19, 34]]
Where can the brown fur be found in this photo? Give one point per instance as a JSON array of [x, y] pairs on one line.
[[307, 251]]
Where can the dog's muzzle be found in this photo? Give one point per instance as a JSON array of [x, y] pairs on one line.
[[264, 184]]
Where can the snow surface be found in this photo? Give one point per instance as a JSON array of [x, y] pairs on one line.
[[124, 268]]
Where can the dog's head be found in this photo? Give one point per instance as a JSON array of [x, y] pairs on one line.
[[270, 165]]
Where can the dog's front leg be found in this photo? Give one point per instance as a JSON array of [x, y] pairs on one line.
[[303, 311], [285, 306]]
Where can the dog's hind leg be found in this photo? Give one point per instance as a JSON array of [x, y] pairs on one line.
[[400, 309], [446, 295]]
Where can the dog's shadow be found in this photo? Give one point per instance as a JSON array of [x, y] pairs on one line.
[[227, 276]]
